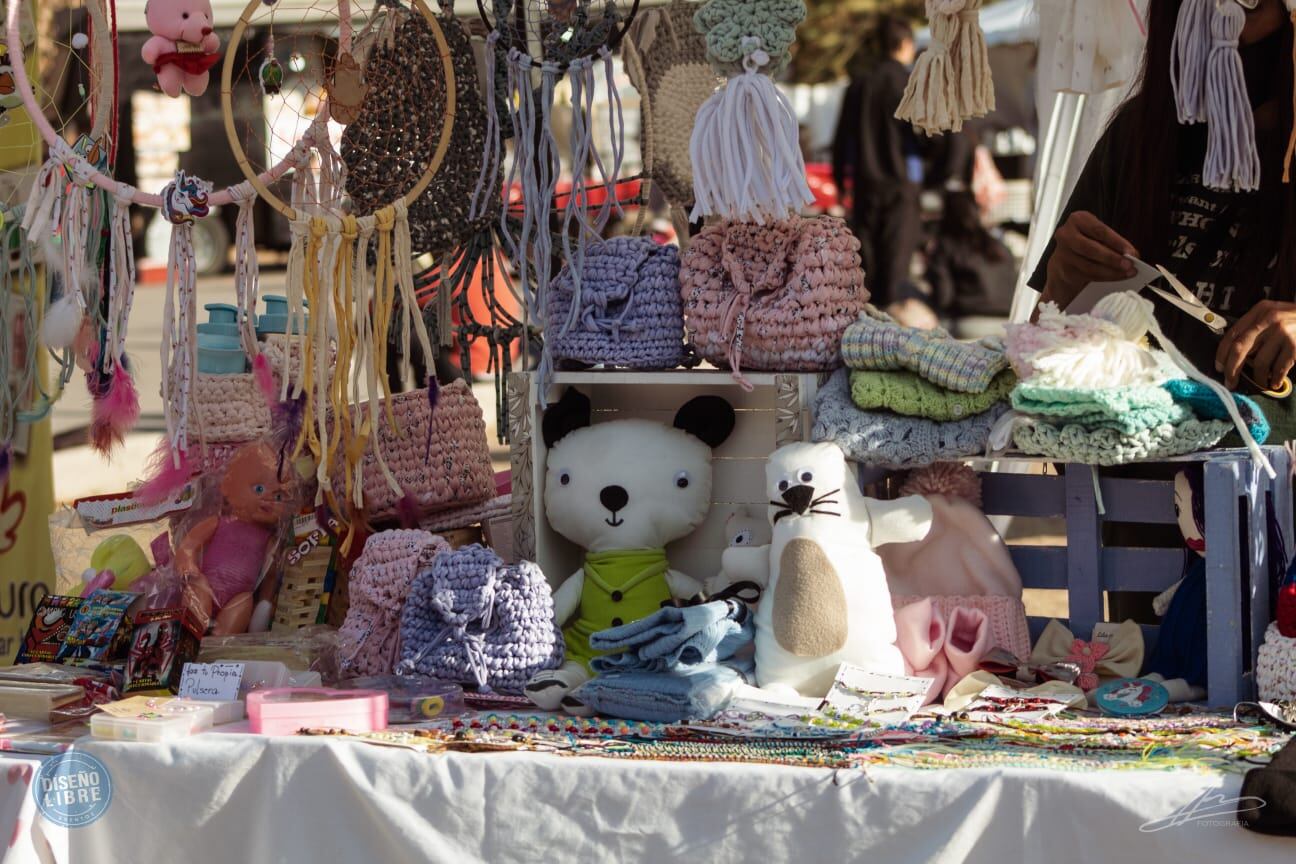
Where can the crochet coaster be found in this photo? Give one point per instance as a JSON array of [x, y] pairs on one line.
[[1128, 410], [910, 394], [876, 342], [1207, 405], [891, 440], [1276, 666], [1075, 443]]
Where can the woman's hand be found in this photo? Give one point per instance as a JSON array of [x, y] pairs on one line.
[[1265, 339], [1085, 251]]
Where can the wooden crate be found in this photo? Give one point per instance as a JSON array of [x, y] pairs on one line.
[[776, 412], [1239, 497]]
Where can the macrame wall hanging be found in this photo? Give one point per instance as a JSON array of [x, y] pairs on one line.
[[350, 285], [951, 80], [745, 149], [576, 39], [666, 61]]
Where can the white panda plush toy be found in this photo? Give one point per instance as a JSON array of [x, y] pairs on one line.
[[827, 600], [622, 490]]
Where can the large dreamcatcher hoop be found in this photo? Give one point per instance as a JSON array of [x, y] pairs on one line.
[[355, 312]]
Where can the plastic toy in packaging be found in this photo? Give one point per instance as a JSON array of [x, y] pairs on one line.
[[100, 630]]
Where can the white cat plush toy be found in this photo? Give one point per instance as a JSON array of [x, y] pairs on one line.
[[827, 600]]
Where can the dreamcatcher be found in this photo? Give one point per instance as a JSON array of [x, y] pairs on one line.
[[68, 305], [348, 211], [538, 46]]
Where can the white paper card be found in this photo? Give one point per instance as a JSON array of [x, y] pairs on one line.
[[1144, 275], [874, 696], [212, 682]]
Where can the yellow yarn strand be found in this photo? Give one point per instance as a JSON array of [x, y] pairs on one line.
[[384, 303], [309, 438]]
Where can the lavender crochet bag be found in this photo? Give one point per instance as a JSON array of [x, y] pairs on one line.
[[472, 619], [624, 310]]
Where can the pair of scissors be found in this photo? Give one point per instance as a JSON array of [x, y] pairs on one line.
[[1187, 301]]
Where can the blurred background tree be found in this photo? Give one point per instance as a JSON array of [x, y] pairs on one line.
[[835, 31]]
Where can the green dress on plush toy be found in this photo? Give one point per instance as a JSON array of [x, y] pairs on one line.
[[619, 587]]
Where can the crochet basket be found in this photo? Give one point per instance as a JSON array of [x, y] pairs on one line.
[[628, 310], [1005, 615], [369, 638], [228, 409], [773, 298], [454, 471], [1276, 666], [472, 619]]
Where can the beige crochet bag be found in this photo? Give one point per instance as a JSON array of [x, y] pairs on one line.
[[775, 297], [231, 409], [449, 469]]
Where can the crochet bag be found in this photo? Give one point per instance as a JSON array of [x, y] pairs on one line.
[[775, 297], [454, 470], [231, 409], [472, 619], [369, 638], [1276, 666], [625, 310]]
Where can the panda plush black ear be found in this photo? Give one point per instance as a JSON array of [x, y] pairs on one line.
[[709, 418], [570, 413]]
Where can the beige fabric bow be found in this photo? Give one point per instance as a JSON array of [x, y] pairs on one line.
[[1122, 657]]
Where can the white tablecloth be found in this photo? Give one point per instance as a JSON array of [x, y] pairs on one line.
[[218, 799]]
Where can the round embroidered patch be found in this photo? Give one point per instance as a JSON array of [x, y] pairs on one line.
[[1131, 697]]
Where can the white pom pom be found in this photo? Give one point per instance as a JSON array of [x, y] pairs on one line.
[[80, 41], [62, 323]]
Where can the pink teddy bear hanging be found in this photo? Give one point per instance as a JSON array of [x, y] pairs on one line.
[[183, 48]]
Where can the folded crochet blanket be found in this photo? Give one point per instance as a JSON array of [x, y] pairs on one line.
[[910, 394], [892, 440], [1203, 402], [661, 697], [1128, 410], [1074, 443], [876, 342], [675, 639]]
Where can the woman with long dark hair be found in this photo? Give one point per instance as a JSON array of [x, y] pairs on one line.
[[1142, 193]]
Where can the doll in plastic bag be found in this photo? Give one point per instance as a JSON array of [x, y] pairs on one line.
[[221, 557]]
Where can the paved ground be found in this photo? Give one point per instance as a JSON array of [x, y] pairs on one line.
[[79, 471]]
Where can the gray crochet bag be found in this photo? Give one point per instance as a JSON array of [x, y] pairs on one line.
[[472, 619]]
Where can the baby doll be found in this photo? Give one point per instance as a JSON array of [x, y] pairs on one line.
[[183, 48], [220, 559]]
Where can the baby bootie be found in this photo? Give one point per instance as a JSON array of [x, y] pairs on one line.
[[921, 634], [967, 639]]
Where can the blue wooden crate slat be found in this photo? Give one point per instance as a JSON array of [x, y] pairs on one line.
[[1084, 545], [1138, 569], [1041, 566], [1224, 574], [1142, 501], [1023, 495]]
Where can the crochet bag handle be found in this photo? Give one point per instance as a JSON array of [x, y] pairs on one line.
[[734, 319]]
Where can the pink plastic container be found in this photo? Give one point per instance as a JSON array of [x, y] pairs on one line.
[[285, 710]]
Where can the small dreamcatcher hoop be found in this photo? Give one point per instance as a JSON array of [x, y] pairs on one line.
[[259, 180]]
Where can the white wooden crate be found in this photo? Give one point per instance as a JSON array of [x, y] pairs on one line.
[[777, 412]]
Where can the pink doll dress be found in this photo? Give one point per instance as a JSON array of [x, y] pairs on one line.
[[233, 558]]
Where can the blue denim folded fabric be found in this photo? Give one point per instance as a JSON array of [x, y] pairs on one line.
[[675, 638], [660, 697]]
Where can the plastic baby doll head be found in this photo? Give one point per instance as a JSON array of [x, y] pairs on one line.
[[253, 487]]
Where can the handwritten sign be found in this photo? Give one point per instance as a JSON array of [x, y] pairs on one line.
[[214, 682]]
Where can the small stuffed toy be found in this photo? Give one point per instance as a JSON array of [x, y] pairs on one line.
[[621, 490], [827, 602], [745, 528], [183, 48]]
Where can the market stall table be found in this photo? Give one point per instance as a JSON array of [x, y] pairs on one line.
[[231, 797]]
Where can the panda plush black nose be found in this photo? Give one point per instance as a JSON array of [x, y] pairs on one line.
[[614, 498]]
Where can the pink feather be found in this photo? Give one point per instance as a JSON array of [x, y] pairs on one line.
[[163, 478], [115, 412], [265, 380]]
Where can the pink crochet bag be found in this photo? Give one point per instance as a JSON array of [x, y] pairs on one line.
[[454, 471], [1006, 617], [773, 298], [369, 638]]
